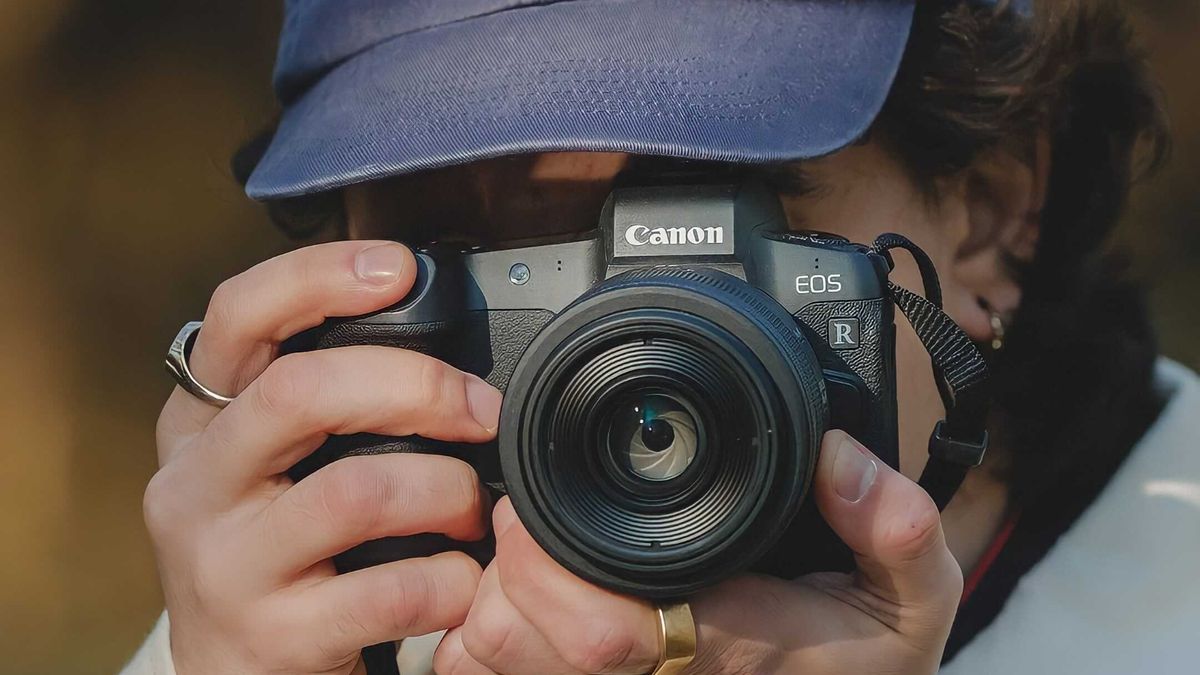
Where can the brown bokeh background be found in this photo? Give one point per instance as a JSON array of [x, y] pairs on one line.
[[118, 215]]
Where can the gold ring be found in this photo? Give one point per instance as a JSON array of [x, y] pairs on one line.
[[676, 638]]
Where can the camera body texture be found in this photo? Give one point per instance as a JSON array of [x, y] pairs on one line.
[[667, 380]]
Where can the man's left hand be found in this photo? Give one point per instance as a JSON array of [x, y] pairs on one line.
[[533, 617]]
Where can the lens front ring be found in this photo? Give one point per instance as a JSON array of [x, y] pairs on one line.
[[694, 330]]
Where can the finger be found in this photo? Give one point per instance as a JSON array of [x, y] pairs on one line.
[[300, 399], [362, 498], [891, 524], [499, 638], [451, 657], [251, 313], [381, 604], [593, 629]]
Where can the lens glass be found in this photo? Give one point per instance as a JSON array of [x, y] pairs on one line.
[[654, 435]]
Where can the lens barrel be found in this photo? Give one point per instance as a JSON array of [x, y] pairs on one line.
[[660, 434]]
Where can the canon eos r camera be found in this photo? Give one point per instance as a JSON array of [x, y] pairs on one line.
[[667, 381]]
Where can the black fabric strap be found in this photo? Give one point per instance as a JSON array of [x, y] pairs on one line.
[[380, 659], [929, 278], [960, 371]]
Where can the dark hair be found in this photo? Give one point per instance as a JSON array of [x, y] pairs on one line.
[[1073, 384], [1073, 388]]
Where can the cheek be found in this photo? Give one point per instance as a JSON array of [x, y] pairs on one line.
[[917, 402]]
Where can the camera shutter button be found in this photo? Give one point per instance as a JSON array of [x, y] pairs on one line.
[[811, 237]]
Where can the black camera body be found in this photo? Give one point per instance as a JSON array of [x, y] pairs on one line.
[[667, 381]]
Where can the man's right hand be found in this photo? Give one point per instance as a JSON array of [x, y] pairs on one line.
[[244, 554]]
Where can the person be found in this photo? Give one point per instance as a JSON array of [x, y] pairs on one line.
[[1000, 139]]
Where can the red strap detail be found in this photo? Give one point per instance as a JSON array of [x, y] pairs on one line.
[[988, 558]]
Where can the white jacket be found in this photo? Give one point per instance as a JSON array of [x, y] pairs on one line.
[[1118, 593]]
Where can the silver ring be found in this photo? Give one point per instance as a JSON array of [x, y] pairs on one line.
[[177, 366]]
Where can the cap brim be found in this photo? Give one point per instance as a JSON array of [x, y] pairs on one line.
[[716, 80]]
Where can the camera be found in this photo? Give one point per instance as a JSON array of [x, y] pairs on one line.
[[667, 379]]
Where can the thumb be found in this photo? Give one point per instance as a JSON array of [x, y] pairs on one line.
[[893, 527]]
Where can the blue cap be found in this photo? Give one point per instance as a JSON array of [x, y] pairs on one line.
[[376, 88]]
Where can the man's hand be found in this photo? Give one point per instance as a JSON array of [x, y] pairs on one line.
[[533, 617], [243, 553]]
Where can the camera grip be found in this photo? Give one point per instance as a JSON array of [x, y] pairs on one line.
[[426, 338], [417, 546], [434, 339]]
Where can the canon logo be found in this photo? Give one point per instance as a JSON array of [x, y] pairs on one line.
[[640, 235]]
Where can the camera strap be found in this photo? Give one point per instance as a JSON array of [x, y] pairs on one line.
[[959, 441]]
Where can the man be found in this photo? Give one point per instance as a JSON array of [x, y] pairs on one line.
[[495, 121]]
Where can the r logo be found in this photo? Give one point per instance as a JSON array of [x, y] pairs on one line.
[[843, 333]]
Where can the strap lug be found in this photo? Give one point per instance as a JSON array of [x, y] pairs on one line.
[[960, 453]]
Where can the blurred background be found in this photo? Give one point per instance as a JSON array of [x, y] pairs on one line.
[[118, 216]]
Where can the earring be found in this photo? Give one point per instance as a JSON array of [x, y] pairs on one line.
[[997, 330], [996, 321]]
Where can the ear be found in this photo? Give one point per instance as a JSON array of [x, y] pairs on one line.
[[1002, 196]]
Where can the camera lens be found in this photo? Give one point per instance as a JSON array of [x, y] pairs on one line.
[[660, 434], [654, 436]]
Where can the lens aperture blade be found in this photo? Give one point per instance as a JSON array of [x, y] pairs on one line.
[[664, 445]]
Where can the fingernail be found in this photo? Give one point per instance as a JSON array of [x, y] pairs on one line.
[[854, 471], [380, 265], [483, 400]]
